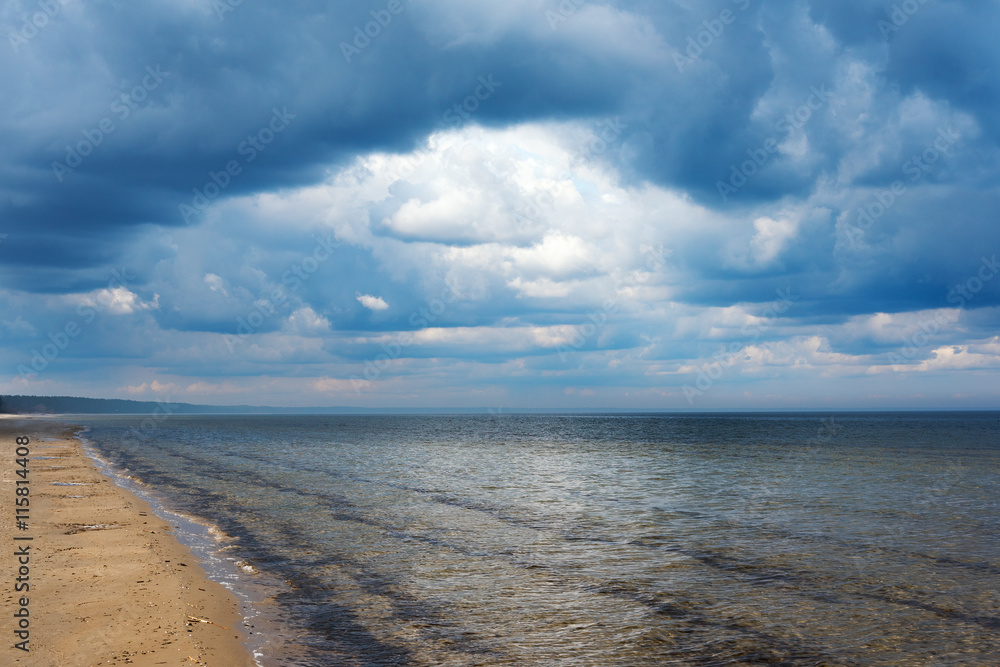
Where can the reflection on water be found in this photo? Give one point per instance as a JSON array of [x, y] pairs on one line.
[[598, 540]]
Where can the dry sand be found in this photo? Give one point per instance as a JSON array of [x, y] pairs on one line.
[[109, 584]]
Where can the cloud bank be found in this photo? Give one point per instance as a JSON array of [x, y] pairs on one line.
[[731, 204]]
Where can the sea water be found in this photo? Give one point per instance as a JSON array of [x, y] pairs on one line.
[[737, 539]]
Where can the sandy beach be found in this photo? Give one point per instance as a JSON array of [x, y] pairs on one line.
[[106, 582]]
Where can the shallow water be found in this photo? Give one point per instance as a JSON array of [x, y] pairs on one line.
[[594, 540]]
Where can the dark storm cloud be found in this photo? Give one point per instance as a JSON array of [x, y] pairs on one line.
[[116, 113], [220, 73]]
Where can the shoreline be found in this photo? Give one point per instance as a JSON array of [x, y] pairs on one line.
[[110, 583]]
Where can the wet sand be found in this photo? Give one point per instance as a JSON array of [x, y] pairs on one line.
[[109, 583]]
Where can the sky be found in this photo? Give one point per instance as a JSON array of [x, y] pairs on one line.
[[672, 205]]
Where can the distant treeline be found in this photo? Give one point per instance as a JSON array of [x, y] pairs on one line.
[[77, 405]]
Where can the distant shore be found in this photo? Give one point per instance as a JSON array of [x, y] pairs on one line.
[[106, 581]]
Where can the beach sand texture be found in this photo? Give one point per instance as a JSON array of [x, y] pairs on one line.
[[109, 584]]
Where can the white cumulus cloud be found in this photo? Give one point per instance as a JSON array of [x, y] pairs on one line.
[[373, 302]]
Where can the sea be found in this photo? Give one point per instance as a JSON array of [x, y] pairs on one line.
[[586, 539]]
